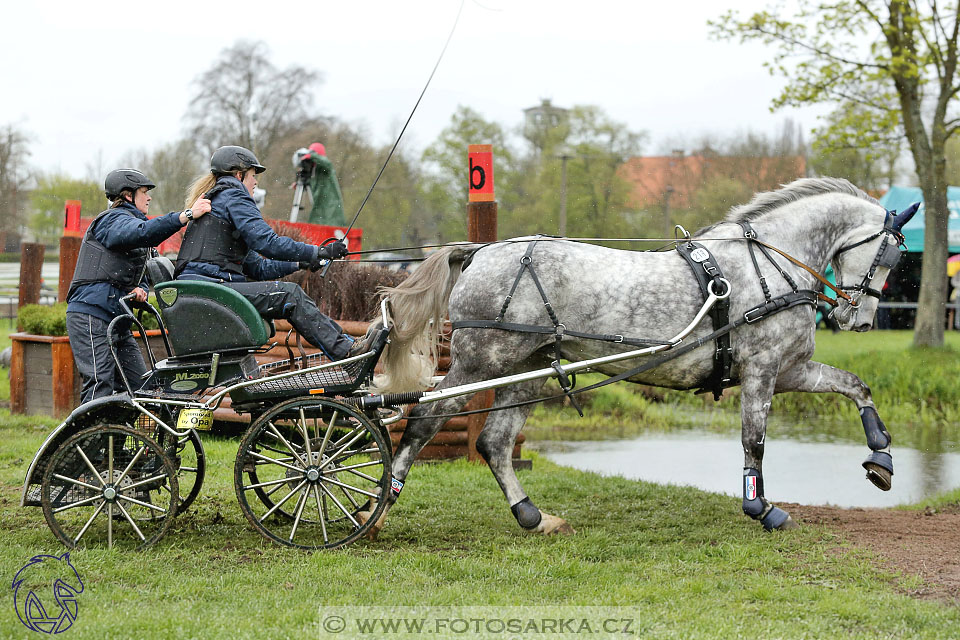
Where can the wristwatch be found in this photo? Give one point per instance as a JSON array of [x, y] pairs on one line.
[[188, 214]]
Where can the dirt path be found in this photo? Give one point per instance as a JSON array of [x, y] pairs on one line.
[[923, 543]]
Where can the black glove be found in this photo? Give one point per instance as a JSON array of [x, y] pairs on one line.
[[332, 251]]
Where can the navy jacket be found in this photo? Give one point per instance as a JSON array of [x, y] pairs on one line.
[[119, 231], [237, 207]]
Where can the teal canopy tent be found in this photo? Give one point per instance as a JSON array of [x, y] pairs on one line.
[[899, 198]]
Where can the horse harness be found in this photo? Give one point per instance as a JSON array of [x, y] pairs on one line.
[[709, 276]]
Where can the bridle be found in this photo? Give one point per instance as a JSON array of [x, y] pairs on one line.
[[887, 256]]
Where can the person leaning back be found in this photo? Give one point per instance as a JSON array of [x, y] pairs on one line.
[[111, 265], [237, 248]]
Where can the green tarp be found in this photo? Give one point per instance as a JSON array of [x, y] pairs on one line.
[[899, 198]]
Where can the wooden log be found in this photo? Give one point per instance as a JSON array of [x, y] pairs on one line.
[[31, 265], [18, 389], [63, 378], [69, 251]]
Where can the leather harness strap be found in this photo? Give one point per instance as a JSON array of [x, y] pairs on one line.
[[706, 270]]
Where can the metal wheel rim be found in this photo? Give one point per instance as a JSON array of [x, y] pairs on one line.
[[101, 483], [318, 510]]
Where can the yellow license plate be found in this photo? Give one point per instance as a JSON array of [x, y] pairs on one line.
[[199, 419]]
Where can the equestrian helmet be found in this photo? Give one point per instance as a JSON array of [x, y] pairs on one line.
[[122, 180], [226, 160]]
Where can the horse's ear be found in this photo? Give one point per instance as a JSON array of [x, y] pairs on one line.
[[903, 218]]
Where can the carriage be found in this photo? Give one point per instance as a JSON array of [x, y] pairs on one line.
[[316, 470], [120, 468]]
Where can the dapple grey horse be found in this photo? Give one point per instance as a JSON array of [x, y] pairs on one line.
[[651, 295]]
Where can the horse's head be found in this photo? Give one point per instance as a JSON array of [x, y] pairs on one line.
[[862, 264]]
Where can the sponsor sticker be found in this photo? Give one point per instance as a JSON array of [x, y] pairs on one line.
[[167, 296], [395, 487], [199, 419], [750, 487]]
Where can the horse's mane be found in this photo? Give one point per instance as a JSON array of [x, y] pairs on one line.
[[766, 201]]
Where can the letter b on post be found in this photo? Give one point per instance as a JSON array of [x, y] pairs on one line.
[[480, 163]]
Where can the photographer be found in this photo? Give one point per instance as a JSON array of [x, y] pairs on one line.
[[314, 164]]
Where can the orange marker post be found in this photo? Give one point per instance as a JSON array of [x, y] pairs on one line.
[[480, 164]]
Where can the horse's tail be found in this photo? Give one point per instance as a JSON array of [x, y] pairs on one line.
[[418, 308]]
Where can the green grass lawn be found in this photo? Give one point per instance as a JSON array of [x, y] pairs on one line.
[[686, 563]]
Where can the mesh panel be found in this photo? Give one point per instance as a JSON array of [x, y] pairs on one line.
[[347, 376]]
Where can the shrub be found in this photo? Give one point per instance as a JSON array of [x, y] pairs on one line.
[[43, 320], [349, 290]]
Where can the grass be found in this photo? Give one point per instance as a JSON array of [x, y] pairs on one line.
[[686, 563], [917, 393]]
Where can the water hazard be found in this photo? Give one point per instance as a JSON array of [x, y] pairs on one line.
[[815, 473]]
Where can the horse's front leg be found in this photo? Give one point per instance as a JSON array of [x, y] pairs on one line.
[[814, 377], [758, 381]]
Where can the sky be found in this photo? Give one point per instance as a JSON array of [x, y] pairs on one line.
[[92, 81]]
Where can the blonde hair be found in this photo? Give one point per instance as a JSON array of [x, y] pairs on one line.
[[199, 187]]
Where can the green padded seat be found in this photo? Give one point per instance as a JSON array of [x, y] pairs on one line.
[[206, 316]]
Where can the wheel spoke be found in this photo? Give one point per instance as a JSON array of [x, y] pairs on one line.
[[359, 432], [130, 466], [287, 444], [268, 483], [141, 503], [110, 507], [301, 502], [130, 520], [306, 436], [326, 435], [90, 466], [358, 474], [276, 462], [344, 485], [340, 506], [282, 500], [76, 482], [322, 518], [141, 482], [78, 503], [89, 522]]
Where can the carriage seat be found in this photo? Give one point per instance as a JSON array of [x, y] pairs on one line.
[[206, 316]]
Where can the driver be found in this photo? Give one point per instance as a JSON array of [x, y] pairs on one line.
[[235, 247], [112, 264]]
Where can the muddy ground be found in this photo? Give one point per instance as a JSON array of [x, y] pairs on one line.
[[915, 543]]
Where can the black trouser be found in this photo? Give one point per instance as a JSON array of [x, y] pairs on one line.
[[287, 300], [91, 352]]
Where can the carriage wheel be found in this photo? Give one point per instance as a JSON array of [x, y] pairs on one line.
[[188, 457], [109, 484], [306, 468]]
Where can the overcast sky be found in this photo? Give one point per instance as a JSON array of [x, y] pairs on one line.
[[106, 77]]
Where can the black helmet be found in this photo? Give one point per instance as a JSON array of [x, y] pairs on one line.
[[226, 160], [123, 179]]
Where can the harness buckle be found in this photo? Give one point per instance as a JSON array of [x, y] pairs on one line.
[[618, 338], [753, 315], [526, 260], [709, 268], [560, 328], [750, 234]]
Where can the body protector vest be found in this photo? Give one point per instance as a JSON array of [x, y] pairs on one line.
[[214, 240], [123, 269]]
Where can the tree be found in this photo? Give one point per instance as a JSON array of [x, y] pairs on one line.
[[47, 201], [244, 99], [857, 145], [14, 177], [897, 60]]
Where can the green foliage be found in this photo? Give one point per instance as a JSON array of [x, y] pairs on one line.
[[858, 144], [48, 199], [43, 320]]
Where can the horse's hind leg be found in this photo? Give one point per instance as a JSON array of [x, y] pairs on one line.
[[814, 377], [758, 380], [495, 443]]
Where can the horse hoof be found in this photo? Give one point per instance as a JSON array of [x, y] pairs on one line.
[[778, 519], [879, 466], [364, 516], [552, 524], [880, 477]]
